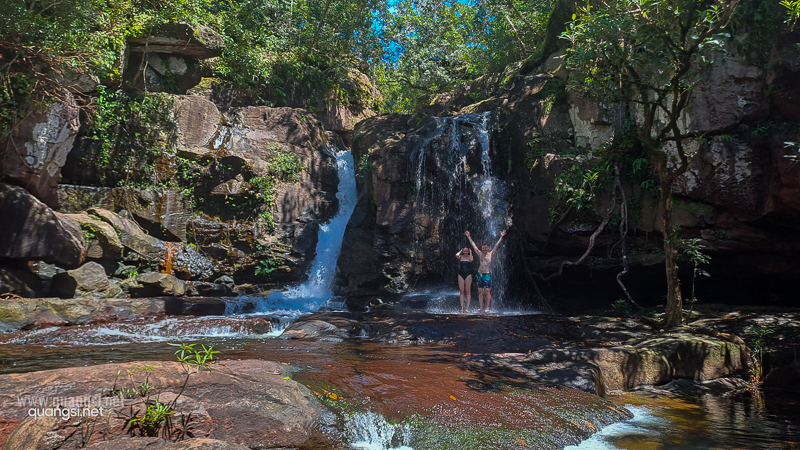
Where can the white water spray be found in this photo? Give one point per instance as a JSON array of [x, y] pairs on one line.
[[457, 191], [371, 431], [317, 290]]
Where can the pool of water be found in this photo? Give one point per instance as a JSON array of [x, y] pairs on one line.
[[744, 421], [392, 386]]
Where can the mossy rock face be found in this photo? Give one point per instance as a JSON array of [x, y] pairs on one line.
[[13, 315], [661, 359], [102, 241], [198, 42]]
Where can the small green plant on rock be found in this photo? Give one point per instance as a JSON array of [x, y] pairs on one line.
[[156, 417], [132, 390], [757, 340], [266, 267], [693, 252], [622, 307], [364, 166], [286, 166]]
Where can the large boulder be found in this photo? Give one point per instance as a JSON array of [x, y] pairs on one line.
[[174, 257], [663, 358], [249, 403], [373, 240], [89, 279], [132, 236], [197, 120], [76, 199], [102, 241], [198, 42], [163, 212], [731, 91], [728, 173], [32, 231], [153, 284], [36, 150], [12, 283], [166, 59]]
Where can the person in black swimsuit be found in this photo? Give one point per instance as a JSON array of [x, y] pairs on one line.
[[464, 276]]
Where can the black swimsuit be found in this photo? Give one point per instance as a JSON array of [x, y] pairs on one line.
[[464, 270]]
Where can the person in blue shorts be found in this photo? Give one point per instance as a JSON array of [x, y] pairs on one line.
[[484, 277]]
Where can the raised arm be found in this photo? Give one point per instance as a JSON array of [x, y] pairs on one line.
[[502, 234], [474, 247]]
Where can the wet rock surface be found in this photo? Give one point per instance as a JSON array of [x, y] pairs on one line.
[[515, 369], [589, 353], [241, 403]]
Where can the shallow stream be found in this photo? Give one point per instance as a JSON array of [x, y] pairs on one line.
[[423, 396]]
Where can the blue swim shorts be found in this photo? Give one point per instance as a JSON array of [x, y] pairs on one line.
[[484, 280]]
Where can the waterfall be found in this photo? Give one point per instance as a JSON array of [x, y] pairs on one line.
[[371, 431], [317, 289], [456, 190]]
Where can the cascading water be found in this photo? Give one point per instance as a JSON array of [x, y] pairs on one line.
[[456, 191], [371, 431], [317, 290]]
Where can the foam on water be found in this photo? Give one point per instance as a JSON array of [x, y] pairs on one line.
[[643, 423], [371, 431], [172, 329]]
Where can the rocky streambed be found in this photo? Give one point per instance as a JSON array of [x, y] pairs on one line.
[[389, 377]]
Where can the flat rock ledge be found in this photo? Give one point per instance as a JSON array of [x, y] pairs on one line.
[[32, 313], [28, 313], [235, 406]]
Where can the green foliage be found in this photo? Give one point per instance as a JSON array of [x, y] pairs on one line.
[[286, 166], [431, 46], [193, 359], [622, 307], [132, 132], [757, 339], [536, 149], [792, 12], [577, 187], [364, 166], [15, 98], [266, 267], [262, 189], [693, 251], [155, 419], [134, 389]]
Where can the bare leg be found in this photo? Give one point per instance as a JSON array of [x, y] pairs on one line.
[[468, 288], [461, 292], [488, 299], [480, 299]]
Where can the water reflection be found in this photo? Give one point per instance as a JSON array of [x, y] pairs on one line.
[[743, 422]]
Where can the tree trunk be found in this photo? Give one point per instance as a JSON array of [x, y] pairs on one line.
[[674, 312]]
